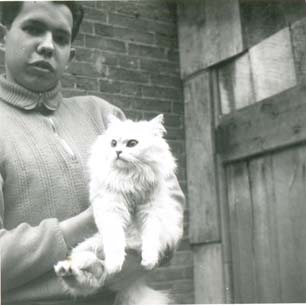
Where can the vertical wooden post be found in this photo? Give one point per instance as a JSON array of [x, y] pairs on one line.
[[205, 40]]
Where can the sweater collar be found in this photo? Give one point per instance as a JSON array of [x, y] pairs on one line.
[[20, 97]]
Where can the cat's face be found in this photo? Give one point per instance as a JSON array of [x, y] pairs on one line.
[[129, 144]]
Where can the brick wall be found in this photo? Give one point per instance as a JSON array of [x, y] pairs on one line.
[[127, 53]]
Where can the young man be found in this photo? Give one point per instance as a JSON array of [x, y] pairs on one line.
[[44, 144]]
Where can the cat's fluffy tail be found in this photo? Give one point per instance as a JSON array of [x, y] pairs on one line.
[[139, 293]]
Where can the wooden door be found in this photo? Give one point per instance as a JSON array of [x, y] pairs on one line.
[[243, 65], [261, 144]]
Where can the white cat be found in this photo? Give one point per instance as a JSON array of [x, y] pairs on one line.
[[130, 169]]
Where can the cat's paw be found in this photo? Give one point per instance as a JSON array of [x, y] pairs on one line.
[[82, 274], [149, 259], [113, 262], [63, 268]]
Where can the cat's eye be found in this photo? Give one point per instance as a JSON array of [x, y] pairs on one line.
[[113, 143], [131, 143]]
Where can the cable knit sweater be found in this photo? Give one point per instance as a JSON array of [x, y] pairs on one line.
[[44, 144]]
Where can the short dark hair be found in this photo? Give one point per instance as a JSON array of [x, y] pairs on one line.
[[10, 9]]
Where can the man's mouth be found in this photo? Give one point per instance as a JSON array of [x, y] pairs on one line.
[[43, 66]]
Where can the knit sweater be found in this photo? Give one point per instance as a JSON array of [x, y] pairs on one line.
[[44, 144]]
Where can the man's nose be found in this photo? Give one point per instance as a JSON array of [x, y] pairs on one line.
[[46, 45]]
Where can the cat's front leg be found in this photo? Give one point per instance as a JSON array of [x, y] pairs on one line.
[[111, 219], [114, 247], [151, 245]]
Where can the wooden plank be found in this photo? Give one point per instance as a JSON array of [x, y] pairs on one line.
[[294, 10], [208, 274], [272, 65], [241, 226], [209, 32], [265, 240], [289, 171], [235, 84], [260, 19], [298, 34], [222, 199], [201, 179], [269, 125]]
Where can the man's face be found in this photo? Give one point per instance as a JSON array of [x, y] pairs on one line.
[[38, 45]]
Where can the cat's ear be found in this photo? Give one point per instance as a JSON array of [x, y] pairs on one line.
[[158, 125], [112, 119]]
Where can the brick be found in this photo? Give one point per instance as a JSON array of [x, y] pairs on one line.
[[173, 120], [130, 62], [130, 89], [87, 27], [105, 44], [170, 120], [104, 30], [109, 86], [96, 56], [132, 22], [177, 146], [168, 41], [175, 134], [123, 102], [151, 104], [159, 66], [178, 108], [161, 92], [150, 115], [85, 69], [158, 11], [173, 55], [142, 24], [146, 51], [68, 81], [87, 3], [86, 83], [134, 114], [128, 34], [79, 40], [94, 14], [166, 80], [128, 75]]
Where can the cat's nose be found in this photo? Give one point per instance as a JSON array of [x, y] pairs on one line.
[[118, 152]]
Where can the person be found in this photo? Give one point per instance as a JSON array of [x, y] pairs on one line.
[[44, 145]]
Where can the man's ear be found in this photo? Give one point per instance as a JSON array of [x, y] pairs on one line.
[[3, 33], [72, 55]]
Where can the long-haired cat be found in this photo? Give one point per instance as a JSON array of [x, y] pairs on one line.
[[130, 166]]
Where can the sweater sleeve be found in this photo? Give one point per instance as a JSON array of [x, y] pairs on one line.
[[28, 252]]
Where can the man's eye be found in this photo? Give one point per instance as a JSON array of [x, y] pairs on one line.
[[33, 30], [131, 143], [61, 39], [113, 143]]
